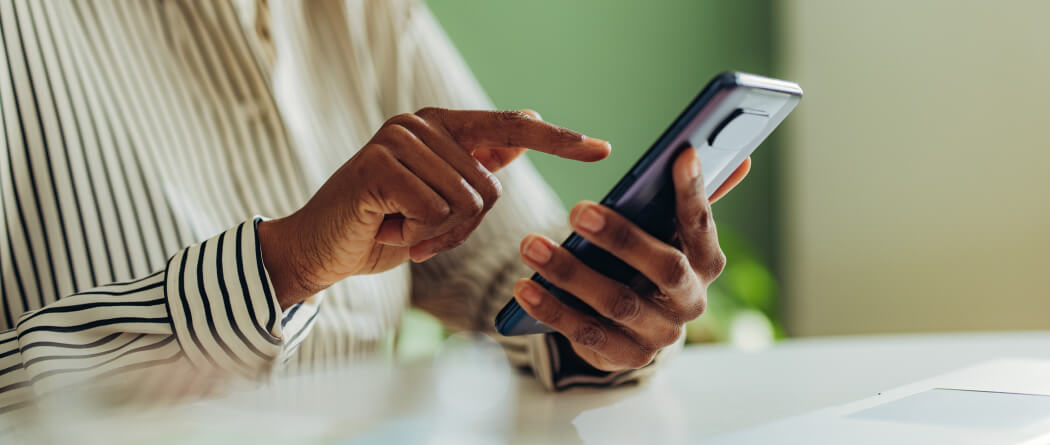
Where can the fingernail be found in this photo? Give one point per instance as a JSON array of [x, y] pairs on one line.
[[538, 251], [590, 219], [694, 168], [531, 296], [598, 142], [424, 258]]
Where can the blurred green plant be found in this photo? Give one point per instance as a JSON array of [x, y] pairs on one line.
[[419, 336]]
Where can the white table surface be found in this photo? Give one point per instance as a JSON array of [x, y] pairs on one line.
[[705, 391], [709, 390]]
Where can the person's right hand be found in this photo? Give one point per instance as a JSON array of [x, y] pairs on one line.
[[420, 186]]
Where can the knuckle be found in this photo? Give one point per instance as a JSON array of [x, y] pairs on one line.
[[620, 237], [704, 222], [510, 121], [673, 334], [640, 359], [566, 135], [404, 120], [675, 272], [560, 270], [436, 212], [713, 266], [468, 203], [512, 115], [549, 313], [701, 304], [399, 137], [430, 112], [696, 217], [476, 206], [490, 190], [591, 335], [373, 156], [477, 199], [624, 305], [694, 308], [473, 206]]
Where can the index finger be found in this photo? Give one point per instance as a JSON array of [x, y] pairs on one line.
[[476, 129], [732, 181]]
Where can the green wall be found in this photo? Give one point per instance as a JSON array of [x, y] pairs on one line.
[[619, 70]]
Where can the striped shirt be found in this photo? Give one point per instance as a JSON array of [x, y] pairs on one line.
[[133, 130]]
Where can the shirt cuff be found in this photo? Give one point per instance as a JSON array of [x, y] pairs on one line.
[[223, 307], [557, 366]]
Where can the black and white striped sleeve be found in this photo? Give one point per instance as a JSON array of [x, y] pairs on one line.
[[212, 306]]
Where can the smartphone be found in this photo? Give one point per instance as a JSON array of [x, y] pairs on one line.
[[730, 117]]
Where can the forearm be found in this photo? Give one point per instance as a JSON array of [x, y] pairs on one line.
[[212, 308]]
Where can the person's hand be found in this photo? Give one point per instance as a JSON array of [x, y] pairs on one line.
[[420, 186], [635, 323]]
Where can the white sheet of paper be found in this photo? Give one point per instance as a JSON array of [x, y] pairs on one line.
[[964, 409]]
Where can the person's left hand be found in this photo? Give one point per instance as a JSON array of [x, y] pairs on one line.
[[634, 327]]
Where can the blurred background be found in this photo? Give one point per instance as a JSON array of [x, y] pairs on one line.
[[907, 191]]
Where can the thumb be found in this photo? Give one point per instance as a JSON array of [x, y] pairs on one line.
[[696, 225]]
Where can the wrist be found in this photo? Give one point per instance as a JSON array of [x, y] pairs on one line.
[[284, 257]]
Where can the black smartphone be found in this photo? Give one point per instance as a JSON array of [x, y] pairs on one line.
[[730, 117]]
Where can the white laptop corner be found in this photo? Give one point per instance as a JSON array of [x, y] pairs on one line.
[[1001, 401]]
